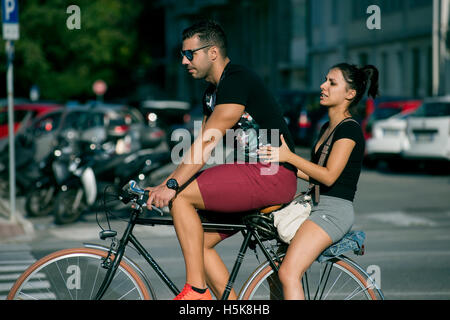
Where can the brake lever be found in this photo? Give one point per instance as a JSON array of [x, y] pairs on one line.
[[161, 213]]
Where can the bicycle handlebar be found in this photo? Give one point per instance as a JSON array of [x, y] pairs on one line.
[[132, 192]]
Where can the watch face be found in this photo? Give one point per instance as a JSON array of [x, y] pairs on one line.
[[172, 184]]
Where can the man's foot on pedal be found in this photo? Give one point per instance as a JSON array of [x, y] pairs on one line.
[[190, 293]]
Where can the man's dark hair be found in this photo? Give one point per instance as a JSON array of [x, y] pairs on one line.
[[209, 32]]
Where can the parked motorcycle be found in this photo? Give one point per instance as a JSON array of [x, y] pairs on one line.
[[84, 177], [40, 196], [41, 192]]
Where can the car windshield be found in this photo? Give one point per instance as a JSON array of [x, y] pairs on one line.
[[384, 113], [433, 109]]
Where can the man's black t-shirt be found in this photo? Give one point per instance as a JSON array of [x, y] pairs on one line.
[[345, 185], [262, 121]]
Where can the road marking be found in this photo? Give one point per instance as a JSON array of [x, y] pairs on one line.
[[14, 259], [81, 233], [406, 253], [401, 219]]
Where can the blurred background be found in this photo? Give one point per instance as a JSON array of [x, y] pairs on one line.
[[98, 97], [114, 85]]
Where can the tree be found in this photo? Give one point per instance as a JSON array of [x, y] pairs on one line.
[[65, 62]]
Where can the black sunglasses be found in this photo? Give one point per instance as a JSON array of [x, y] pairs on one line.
[[189, 54]]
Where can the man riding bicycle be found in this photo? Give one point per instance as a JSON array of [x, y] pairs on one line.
[[236, 102]]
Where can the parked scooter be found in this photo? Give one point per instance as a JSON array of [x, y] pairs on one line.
[[40, 197], [89, 173]]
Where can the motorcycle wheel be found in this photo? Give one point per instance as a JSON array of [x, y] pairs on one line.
[[69, 206], [40, 202]]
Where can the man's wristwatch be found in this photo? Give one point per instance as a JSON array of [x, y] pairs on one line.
[[172, 184]]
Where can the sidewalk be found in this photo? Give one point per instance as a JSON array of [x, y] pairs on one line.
[[11, 231]]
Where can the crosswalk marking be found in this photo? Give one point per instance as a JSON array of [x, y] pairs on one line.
[[13, 262]]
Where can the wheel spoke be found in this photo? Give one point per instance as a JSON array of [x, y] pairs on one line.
[[338, 279], [84, 271]]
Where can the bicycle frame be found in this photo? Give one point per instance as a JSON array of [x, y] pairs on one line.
[[128, 237]]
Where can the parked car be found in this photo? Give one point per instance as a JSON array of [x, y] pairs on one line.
[[167, 114], [24, 113], [301, 110], [389, 140], [386, 109], [428, 130], [98, 123]]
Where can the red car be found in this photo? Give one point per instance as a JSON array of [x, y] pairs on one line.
[[385, 110], [23, 113]]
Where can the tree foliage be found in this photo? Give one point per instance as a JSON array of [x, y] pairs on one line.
[[64, 63]]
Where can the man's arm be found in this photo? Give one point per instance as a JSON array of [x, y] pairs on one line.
[[224, 117]]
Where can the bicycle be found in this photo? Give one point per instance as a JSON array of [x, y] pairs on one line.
[[98, 272]]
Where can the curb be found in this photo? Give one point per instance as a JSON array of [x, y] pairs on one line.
[[14, 230]]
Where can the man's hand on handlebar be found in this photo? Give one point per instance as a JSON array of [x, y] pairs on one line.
[[160, 196]]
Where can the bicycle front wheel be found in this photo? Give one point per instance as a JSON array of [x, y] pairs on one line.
[[337, 279], [77, 274]]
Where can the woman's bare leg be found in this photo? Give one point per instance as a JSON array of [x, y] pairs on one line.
[[309, 241]]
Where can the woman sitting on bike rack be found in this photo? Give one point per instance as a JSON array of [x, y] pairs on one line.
[[332, 215]]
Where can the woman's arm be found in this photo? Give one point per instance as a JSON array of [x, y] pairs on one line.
[[328, 175], [302, 175]]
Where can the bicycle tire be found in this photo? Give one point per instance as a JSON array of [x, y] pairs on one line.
[[81, 279], [263, 284]]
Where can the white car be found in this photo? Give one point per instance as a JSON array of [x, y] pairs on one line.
[[428, 130], [388, 139]]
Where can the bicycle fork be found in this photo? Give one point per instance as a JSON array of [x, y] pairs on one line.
[[112, 268]]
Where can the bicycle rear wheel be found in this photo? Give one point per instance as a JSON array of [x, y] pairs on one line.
[[338, 279], [77, 274]]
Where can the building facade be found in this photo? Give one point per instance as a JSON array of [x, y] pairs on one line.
[[292, 43], [401, 49]]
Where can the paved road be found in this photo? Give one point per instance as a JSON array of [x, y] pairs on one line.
[[406, 217]]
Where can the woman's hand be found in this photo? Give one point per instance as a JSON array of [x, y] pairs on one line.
[[274, 154], [160, 196]]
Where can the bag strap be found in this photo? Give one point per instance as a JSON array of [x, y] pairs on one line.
[[323, 155]]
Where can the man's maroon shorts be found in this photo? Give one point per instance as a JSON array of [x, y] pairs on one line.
[[241, 187]]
